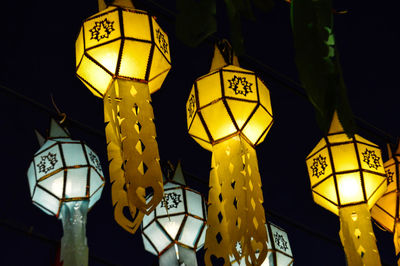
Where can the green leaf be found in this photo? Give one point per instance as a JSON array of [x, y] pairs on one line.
[[317, 62], [195, 21]]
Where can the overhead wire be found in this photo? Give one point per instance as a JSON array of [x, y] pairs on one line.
[[278, 77], [51, 112]]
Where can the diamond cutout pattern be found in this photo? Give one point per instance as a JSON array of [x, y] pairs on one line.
[[218, 237], [220, 217]]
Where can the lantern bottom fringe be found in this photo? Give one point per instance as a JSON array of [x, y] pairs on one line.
[[357, 236], [132, 151], [74, 249], [236, 217]]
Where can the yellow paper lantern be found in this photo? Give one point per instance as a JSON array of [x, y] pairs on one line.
[[386, 210], [122, 56], [347, 178], [229, 113]]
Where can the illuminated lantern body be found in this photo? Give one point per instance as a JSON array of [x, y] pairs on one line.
[[176, 229], [386, 210], [66, 180], [279, 251], [122, 56], [347, 178], [228, 113]]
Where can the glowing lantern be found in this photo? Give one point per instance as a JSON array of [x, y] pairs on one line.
[[386, 210], [347, 178], [229, 113], [122, 55], [279, 251], [175, 230], [66, 180]]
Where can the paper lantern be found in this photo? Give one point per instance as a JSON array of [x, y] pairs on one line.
[[347, 178], [279, 251], [122, 56], [66, 180], [175, 230], [228, 113], [386, 210]]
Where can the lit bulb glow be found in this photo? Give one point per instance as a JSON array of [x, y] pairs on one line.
[[350, 189]]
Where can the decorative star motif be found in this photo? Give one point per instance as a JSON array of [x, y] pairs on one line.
[[192, 105], [319, 165], [240, 85], [171, 200], [162, 41], [47, 162], [371, 159], [389, 175], [280, 241], [102, 29], [95, 160]]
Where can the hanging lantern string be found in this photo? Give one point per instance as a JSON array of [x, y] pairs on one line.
[[50, 111], [276, 76], [60, 114]]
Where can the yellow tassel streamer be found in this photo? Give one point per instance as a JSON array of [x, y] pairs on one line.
[[132, 151], [235, 214], [357, 236]]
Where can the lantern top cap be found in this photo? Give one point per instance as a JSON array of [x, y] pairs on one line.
[[336, 126], [57, 131], [223, 55], [40, 138], [122, 3], [178, 175]]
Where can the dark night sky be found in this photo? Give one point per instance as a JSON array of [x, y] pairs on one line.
[[38, 59]]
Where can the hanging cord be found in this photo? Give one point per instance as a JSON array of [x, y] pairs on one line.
[[50, 112], [60, 114]]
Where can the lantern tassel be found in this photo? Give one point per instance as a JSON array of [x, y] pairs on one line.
[[357, 236], [396, 240], [132, 151], [236, 213], [74, 249]]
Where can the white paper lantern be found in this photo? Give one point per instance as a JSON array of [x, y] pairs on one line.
[[279, 251], [176, 228], [64, 170]]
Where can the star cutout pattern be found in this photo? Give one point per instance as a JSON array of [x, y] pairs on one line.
[[280, 241], [389, 175], [319, 165], [102, 29], [95, 160], [162, 41], [47, 162], [192, 105], [371, 159], [171, 200], [240, 85]]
